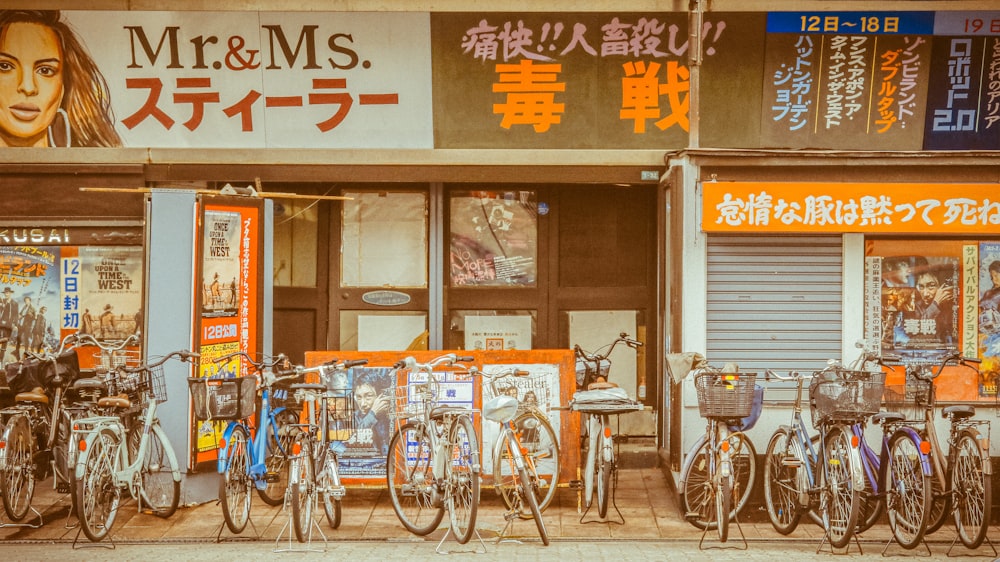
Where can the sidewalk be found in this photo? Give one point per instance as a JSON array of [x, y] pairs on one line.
[[645, 502]]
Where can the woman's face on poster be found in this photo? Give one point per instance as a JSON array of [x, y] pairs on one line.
[[31, 83]]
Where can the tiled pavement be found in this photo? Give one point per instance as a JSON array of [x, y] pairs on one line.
[[646, 503]]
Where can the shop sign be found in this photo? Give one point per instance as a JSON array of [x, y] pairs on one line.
[[385, 298], [821, 207]]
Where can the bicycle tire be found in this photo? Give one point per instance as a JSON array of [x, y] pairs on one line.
[[590, 461], [541, 447], [302, 486], [234, 483], [410, 480], [973, 491], [280, 436], [529, 493], [840, 512], [98, 497], [908, 491], [723, 492], [872, 504], [695, 496], [332, 507], [18, 469], [940, 501], [506, 475], [159, 490], [783, 490], [605, 468], [463, 478]]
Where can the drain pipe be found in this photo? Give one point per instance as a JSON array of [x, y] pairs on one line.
[[695, 27]]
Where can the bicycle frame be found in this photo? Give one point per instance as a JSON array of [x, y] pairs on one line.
[[87, 430], [258, 451], [876, 465]]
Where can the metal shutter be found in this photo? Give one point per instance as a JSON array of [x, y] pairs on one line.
[[774, 301]]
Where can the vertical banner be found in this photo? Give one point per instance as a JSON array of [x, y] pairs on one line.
[[229, 300], [989, 318]]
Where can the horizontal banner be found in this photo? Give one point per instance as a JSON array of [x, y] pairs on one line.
[[891, 208]]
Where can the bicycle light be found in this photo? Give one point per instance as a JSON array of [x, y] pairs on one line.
[[925, 447], [724, 446], [3, 445], [855, 441], [296, 448], [82, 446]]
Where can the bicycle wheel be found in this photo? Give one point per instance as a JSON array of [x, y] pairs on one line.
[[159, 491], [329, 480], [696, 501], [842, 501], [97, 495], [541, 449], [280, 436], [784, 491], [528, 492], [463, 479], [506, 475], [410, 480], [300, 481], [604, 468], [18, 469], [871, 503], [908, 491], [590, 461], [723, 492], [972, 488], [235, 483], [940, 501]]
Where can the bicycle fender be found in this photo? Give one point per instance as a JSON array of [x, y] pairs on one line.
[[857, 468], [984, 448], [11, 422], [688, 459], [925, 459], [168, 447], [88, 437], [224, 449]]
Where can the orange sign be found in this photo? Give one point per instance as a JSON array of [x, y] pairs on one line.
[[822, 207]]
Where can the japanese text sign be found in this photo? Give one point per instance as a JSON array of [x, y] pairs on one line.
[[970, 209]]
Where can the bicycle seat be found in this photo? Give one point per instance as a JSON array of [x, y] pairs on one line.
[[34, 395], [88, 384], [439, 411], [120, 401], [959, 412], [888, 417], [601, 384]]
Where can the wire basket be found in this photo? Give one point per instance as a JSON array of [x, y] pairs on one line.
[[107, 360], [909, 399], [412, 400], [726, 396], [223, 398], [136, 384], [849, 396]]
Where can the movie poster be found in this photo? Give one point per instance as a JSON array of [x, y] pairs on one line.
[[920, 297], [110, 291], [363, 415], [220, 286], [989, 318], [29, 300]]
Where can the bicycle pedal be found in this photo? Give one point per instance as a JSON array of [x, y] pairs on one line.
[[271, 477], [575, 484], [791, 462], [62, 488], [691, 516]]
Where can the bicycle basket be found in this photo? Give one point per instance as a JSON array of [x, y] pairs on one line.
[[223, 399], [135, 384], [909, 399], [726, 396], [107, 360], [412, 400], [588, 371], [849, 396]]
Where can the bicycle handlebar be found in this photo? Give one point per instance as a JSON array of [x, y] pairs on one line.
[[446, 359], [183, 354], [260, 365], [927, 374], [622, 338]]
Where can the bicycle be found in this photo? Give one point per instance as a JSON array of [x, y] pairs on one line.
[[597, 399], [694, 482], [246, 463], [897, 478], [433, 462], [798, 478], [114, 457], [515, 472], [33, 442], [961, 477], [723, 400], [314, 473]]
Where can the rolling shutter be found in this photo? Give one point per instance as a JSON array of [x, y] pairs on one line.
[[774, 301]]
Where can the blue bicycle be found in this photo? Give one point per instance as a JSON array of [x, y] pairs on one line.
[[244, 464]]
